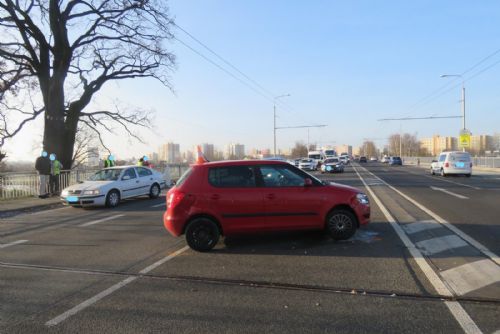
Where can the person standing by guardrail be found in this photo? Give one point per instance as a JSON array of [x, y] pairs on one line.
[[55, 172], [42, 166]]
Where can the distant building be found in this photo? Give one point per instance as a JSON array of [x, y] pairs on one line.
[[356, 151], [438, 144], [92, 159], [208, 150], [234, 151], [170, 152], [481, 143], [344, 149], [153, 156]]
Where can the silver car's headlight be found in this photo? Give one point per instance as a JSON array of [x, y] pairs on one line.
[[91, 192], [363, 199], [64, 193]]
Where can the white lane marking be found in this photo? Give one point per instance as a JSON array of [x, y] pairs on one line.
[[446, 180], [445, 223], [455, 308], [450, 193], [162, 261], [472, 276], [158, 205], [2, 246], [90, 301], [463, 318], [438, 245], [101, 220], [60, 318], [420, 226]]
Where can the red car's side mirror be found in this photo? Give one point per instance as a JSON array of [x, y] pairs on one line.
[[308, 182]]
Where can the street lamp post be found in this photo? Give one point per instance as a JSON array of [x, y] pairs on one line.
[[276, 98], [463, 97]]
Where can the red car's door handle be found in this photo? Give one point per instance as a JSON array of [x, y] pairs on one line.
[[270, 196], [215, 196]]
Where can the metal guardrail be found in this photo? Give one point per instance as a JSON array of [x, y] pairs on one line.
[[17, 185], [487, 162]]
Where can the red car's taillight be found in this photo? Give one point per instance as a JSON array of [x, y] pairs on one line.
[[174, 198], [446, 164]]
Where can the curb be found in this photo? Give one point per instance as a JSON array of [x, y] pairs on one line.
[[28, 209]]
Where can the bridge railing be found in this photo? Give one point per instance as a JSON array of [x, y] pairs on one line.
[[486, 162], [25, 184]]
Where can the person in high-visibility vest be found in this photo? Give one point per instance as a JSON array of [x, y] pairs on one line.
[[109, 162], [140, 162], [55, 174]]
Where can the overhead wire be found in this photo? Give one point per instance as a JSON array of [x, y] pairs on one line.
[[252, 83], [454, 83]]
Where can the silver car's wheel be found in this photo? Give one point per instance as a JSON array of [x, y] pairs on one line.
[[112, 199], [155, 190], [432, 171]]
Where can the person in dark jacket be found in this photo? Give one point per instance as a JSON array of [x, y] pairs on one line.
[[42, 165]]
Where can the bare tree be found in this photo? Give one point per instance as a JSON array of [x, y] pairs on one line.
[[409, 146], [72, 48], [368, 149], [300, 150]]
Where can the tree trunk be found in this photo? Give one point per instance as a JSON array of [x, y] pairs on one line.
[[69, 137]]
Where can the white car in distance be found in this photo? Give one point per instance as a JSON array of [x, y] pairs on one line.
[[308, 164], [454, 162], [109, 186]]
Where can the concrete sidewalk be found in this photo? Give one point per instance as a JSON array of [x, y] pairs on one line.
[[16, 206]]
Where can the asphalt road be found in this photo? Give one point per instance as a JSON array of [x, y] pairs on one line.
[[427, 263]]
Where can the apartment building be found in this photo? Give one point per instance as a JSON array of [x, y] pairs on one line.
[[170, 152], [234, 151], [438, 144]]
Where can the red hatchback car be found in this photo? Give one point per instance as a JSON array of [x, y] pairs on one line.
[[236, 197]]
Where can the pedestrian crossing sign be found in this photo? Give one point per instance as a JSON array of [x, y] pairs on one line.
[[464, 139]]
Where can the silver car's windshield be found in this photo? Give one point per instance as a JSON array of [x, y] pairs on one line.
[[107, 175]]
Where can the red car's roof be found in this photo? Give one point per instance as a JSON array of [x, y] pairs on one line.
[[241, 163]]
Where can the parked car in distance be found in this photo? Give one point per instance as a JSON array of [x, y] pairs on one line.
[[373, 159], [308, 164], [252, 196], [110, 185], [385, 159], [362, 159], [454, 162], [332, 165], [395, 161]]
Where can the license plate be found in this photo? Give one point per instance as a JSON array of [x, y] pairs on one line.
[[72, 199], [459, 165]]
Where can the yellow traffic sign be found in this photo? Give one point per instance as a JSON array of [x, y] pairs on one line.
[[464, 140]]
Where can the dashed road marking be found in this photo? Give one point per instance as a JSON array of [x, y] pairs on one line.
[[420, 226], [158, 205], [458, 312], [450, 193], [2, 246], [494, 257], [60, 318], [100, 220], [472, 276], [438, 245]]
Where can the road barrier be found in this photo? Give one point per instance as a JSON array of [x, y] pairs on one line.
[[18, 185], [486, 162]]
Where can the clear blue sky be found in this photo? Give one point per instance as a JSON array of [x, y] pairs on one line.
[[345, 64]]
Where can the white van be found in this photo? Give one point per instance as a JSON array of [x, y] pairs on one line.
[[317, 156], [456, 162]]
